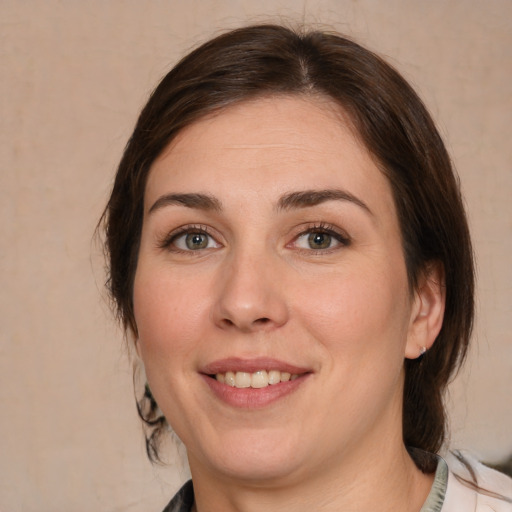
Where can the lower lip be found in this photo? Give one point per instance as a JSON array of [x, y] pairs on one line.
[[253, 398]]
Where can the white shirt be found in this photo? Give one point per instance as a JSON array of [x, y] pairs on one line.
[[484, 497]]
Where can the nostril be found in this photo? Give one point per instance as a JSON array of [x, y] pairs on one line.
[[262, 321]]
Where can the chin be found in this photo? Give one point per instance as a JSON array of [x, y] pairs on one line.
[[254, 457]]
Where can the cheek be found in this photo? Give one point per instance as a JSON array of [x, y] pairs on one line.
[[169, 313], [357, 312]]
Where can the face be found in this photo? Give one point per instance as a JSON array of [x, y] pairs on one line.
[[271, 296]]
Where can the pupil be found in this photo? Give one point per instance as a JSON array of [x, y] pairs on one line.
[[196, 241], [319, 240]]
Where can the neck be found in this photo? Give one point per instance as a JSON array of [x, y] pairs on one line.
[[388, 480]]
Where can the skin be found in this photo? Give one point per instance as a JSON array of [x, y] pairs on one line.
[[345, 312]]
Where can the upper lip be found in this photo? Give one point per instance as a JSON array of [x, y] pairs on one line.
[[236, 364]]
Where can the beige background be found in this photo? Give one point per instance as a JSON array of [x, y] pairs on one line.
[[74, 75]]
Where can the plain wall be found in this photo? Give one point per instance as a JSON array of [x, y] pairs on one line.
[[74, 76]]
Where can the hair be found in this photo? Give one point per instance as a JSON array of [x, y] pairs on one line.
[[394, 125]]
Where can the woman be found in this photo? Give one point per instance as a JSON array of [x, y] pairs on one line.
[[289, 249]]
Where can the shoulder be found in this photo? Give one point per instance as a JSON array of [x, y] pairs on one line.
[[472, 486]]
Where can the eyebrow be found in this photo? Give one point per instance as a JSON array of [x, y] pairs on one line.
[[290, 201], [198, 201], [307, 198]]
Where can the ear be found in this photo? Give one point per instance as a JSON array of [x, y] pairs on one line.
[[427, 311]]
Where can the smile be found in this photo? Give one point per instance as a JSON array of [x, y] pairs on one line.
[[257, 380], [253, 383]]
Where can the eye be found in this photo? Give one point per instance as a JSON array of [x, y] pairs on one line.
[[320, 239], [316, 240], [190, 239]]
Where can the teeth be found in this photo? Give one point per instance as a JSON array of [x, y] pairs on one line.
[[242, 380], [274, 377], [229, 379], [259, 379]]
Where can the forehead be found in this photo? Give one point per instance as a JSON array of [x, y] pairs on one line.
[[275, 122], [267, 147]]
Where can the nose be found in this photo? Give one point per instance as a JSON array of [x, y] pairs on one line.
[[250, 294]]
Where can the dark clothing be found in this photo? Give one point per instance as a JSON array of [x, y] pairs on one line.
[[183, 500]]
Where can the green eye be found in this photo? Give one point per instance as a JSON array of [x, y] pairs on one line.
[[195, 241], [192, 241], [319, 240]]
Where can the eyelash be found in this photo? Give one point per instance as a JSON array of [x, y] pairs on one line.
[[168, 241], [200, 229], [324, 228]]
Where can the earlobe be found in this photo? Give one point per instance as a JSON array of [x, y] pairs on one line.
[[427, 311]]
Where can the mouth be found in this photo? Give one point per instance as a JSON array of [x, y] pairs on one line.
[[257, 380], [253, 383]]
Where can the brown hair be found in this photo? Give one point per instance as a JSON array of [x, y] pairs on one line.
[[395, 127]]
